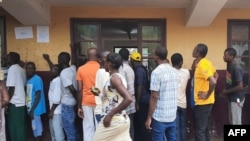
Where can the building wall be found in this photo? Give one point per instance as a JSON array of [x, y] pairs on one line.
[[179, 37]]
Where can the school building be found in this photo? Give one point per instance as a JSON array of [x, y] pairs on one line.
[[32, 28]]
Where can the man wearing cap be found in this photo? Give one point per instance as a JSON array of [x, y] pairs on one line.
[[142, 95]]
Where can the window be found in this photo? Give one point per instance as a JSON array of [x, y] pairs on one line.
[[239, 38], [142, 35], [2, 39]]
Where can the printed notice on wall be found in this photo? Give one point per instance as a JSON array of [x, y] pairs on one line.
[[23, 32], [42, 34]]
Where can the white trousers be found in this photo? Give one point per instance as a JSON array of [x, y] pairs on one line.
[[88, 123]]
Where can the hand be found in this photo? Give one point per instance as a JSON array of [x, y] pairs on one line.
[[80, 113], [96, 91], [31, 114], [50, 115], [46, 56], [202, 95], [106, 120], [148, 124], [223, 93]]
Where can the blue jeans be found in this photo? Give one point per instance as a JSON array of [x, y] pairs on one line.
[[68, 120], [162, 129], [181, 124], [201, 122]]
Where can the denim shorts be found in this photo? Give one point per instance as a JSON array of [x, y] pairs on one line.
[[37, 126]]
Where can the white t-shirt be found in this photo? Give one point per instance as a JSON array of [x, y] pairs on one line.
[[17, 78], [183, 75], [55, 94], [68, 77], [101, 79]]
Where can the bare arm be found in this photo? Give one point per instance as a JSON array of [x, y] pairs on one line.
[[212, 84], [38, 96], [152, 105], [73, 91], [116, 83], [235, 89], [5, 96], [79, 99], [11, 91], [138, 91], [47, 58]]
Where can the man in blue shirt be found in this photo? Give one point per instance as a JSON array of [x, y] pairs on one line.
[[35, 100]]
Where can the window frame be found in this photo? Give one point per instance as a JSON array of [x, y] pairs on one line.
[[232, 22], [3, 38]]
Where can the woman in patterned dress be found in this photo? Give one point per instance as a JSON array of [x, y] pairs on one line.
[[115, 123]]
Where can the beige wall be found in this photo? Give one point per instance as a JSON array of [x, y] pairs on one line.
[[179, 38]]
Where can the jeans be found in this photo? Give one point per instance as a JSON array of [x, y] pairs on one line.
[[162, 129], [201, 121], [181, 124], [68, 120], [56, 128]]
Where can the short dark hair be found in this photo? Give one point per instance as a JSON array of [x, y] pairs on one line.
[[32, 64], [161, 52], [231, 51], [124, 52], [176, 59], [15, 57], [115, 59], [202, 49], [64, 57]]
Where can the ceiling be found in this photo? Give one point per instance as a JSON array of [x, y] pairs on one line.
[[37, 12]]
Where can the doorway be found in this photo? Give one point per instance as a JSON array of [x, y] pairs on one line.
[[141, 35]]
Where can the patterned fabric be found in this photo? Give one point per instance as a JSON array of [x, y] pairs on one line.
[[111, 98], [164, 80], [119, 125]]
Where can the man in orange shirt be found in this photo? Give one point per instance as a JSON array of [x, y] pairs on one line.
[[86, 100]]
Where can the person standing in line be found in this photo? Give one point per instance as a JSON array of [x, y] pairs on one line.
[[163, 99], [69, 96], [35, 100], [86, 76], [234, 89], [4, 100], [205, 79], [184, 76], [129, 74], [101, 78], [16, 80], [54, 95], [142, 94], [115, 123]]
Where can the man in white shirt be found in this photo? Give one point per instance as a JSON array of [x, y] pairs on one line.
[[16, 80]]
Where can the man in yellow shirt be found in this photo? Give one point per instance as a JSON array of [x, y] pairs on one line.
[[205, 78]]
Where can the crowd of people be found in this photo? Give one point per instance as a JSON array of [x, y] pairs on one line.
[[116, 97]]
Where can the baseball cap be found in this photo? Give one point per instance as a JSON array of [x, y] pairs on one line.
[[135, 56]]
